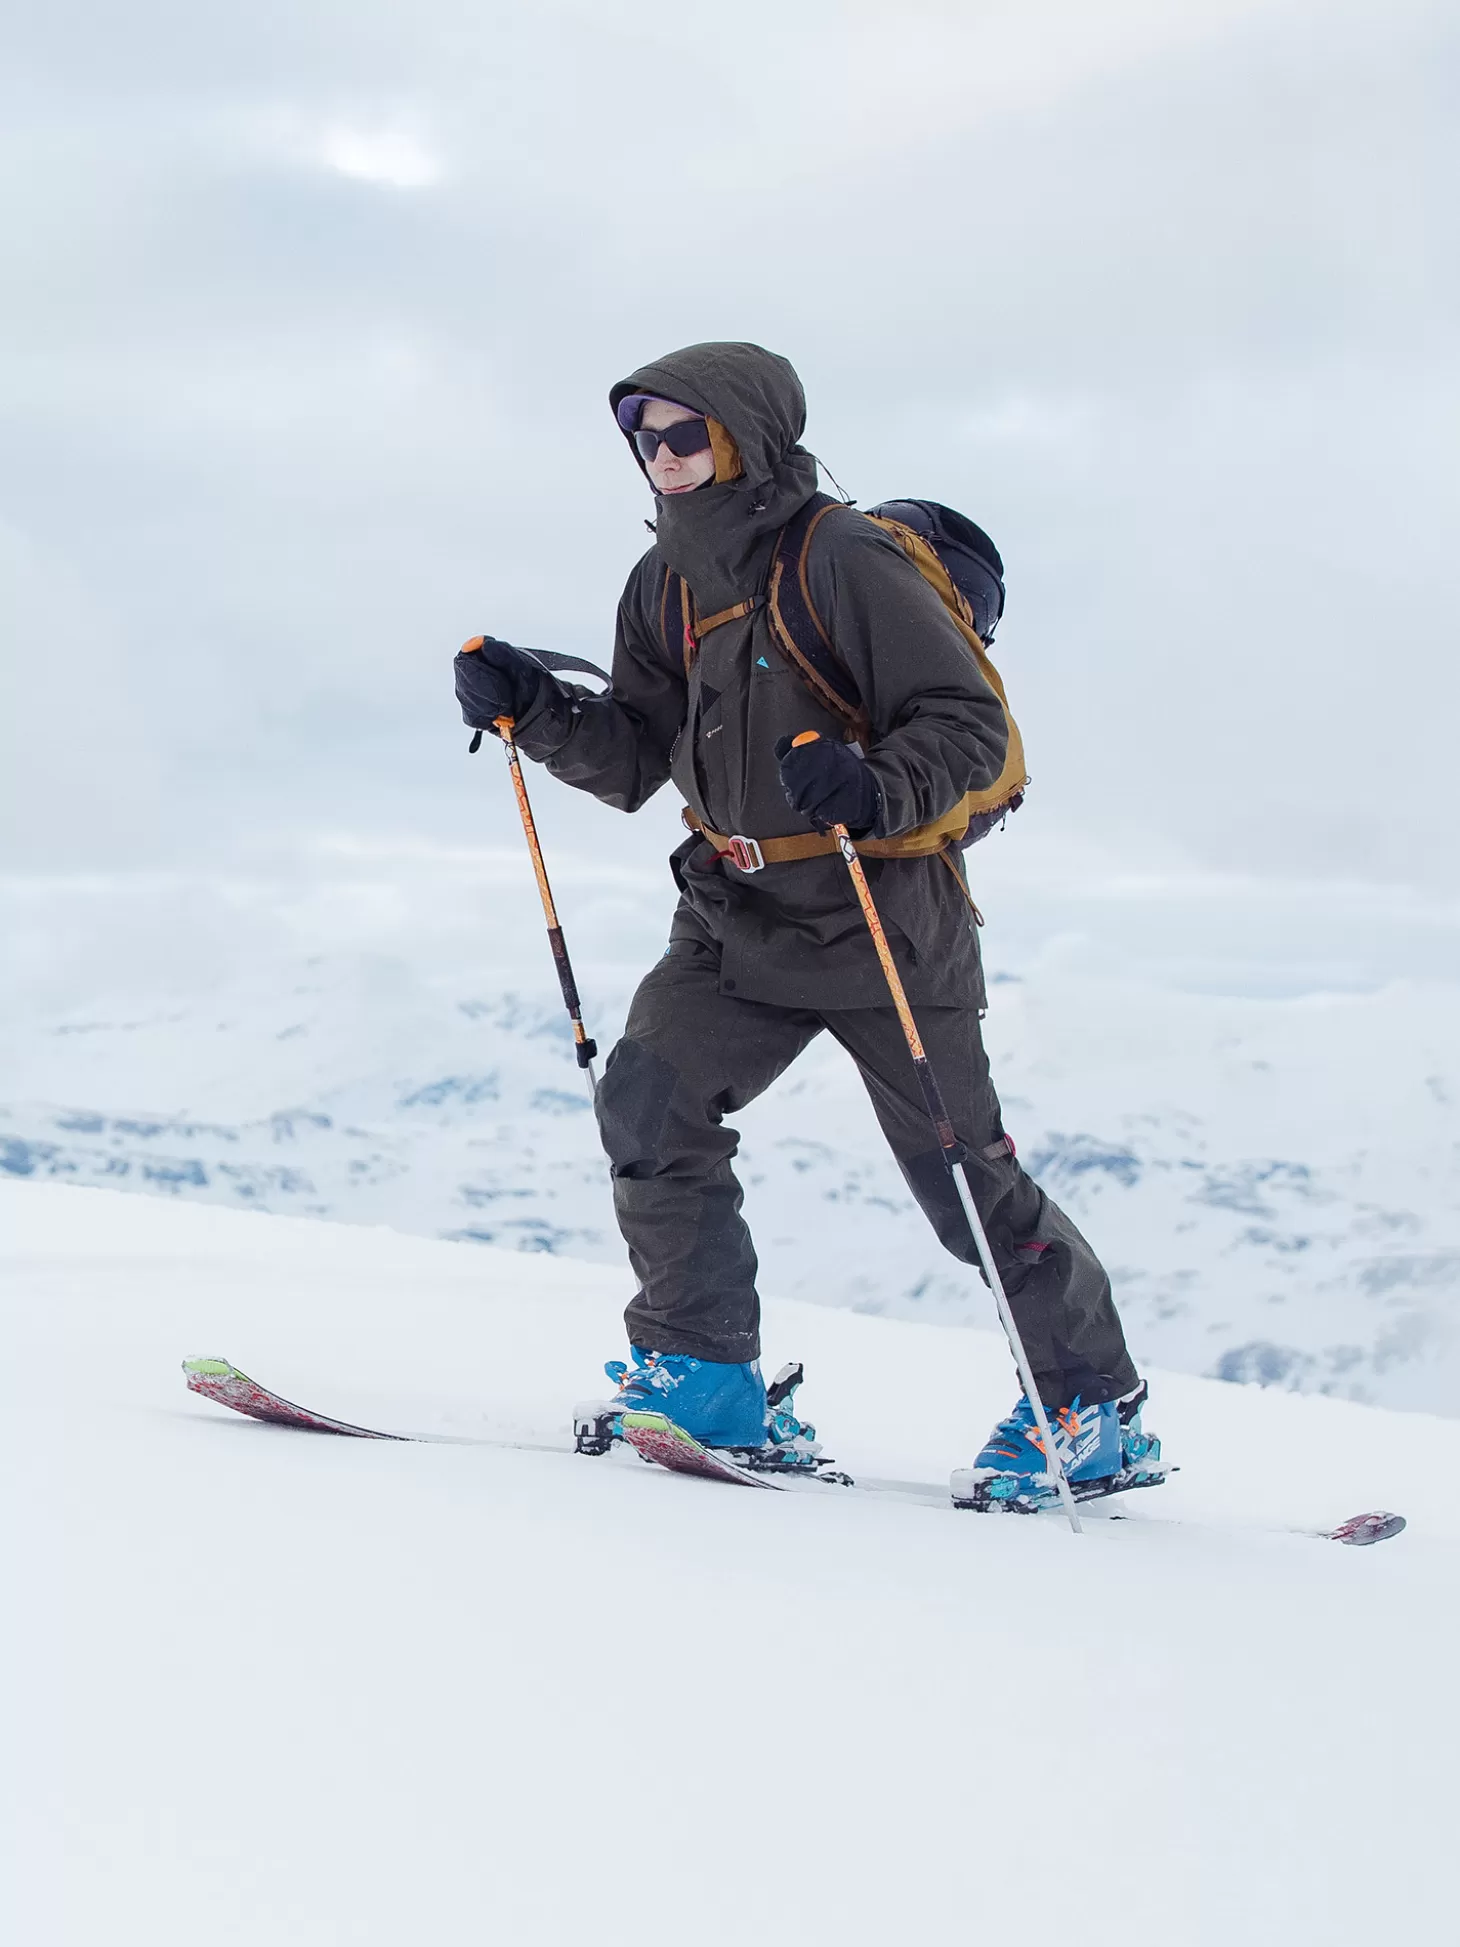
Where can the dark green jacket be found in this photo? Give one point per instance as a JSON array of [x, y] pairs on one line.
[[789, 934]]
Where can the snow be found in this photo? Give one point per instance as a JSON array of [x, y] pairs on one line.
[[286, 1687], [1274, 1183]]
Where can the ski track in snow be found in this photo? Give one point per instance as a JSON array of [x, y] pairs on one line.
[[282, 1686]]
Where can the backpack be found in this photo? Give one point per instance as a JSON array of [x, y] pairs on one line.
[[959, 562]]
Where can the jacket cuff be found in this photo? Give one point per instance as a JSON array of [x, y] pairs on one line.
[[878, 826], [549, 721], [889, 792]]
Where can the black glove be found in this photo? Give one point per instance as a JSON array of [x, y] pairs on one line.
[[495, 680], [830, 784]]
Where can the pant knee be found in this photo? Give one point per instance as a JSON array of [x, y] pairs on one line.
[[633, 1103]]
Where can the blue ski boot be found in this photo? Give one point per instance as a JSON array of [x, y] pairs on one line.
[[720, 1405], [1103, 1449]]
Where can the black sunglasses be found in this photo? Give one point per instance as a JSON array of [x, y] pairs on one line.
[[686, 437]]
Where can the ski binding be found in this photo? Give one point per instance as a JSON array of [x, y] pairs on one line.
[[792, 1447], [979, 1488]]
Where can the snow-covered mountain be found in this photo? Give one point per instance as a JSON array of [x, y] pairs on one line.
[[291, 1688], [1275, 1183]]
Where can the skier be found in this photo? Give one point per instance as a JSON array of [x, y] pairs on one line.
[[767, 948]]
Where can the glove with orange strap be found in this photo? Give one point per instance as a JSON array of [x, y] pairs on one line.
[[494, 679], [829, 783]]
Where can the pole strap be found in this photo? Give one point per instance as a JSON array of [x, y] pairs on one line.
[[549, 659]]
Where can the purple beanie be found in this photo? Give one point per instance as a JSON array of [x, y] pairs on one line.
[[630, 408]]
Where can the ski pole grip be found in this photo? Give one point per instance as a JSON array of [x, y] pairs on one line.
[[505, 726], [806, 737]]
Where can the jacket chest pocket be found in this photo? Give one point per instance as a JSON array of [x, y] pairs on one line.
[[781, 703]]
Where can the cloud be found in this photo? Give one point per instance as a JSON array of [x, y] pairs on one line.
[[390, 156], [306, 347]]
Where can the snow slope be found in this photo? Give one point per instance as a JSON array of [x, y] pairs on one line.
[[278, 1686], [1275, 1184]]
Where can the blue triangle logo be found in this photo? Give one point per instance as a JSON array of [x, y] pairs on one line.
[[761, 663]]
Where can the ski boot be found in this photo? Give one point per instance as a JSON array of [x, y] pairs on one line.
[[718, 1405], [1103, 1449]]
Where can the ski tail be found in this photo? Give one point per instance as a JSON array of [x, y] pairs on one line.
[[223, 1383], [1363, 1530]]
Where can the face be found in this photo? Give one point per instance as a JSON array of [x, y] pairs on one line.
[[668, 473]]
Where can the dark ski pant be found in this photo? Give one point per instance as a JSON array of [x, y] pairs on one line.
[[690, 1055]]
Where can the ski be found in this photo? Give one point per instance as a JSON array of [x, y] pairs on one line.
[[225, 1384], [1362, 1530], [653, 1437], [1359, 1531], [659, 1441], [222, 1382]]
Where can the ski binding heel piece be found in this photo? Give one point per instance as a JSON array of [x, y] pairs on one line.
[[791, 1445]]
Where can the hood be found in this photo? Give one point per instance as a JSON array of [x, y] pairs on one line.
[[717, 536]]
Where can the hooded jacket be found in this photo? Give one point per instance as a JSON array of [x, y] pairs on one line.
[[790, 934]]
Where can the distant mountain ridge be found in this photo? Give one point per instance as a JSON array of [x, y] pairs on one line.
[[1268, 1212]]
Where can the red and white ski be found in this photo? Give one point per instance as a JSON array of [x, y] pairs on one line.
[[656, 1438], [1363, 1530], [217, 1380], [223, 1383]]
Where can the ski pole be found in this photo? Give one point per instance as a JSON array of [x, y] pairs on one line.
[[953, 1152], [583, 1047]]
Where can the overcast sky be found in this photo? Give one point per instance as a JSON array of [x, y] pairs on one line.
[[310, 312]]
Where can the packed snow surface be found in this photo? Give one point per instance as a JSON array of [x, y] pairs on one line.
[[286, 1687]]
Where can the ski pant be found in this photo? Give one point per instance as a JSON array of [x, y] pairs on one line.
[[690, 1054]]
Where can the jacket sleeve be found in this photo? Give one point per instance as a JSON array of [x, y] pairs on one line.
[[938, 729], [616, 745]]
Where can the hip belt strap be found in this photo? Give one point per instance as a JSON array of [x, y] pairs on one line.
[[750, 854], [921, 844]]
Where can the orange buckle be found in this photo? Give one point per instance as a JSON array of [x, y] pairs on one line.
[[744, 854]]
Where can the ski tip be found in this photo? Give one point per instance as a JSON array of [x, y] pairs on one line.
[[1363, 1530], [655, 1437], [208, 1368]]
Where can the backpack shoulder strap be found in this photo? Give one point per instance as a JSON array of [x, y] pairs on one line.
[[676, 620], [799, 632], [682, 638]]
